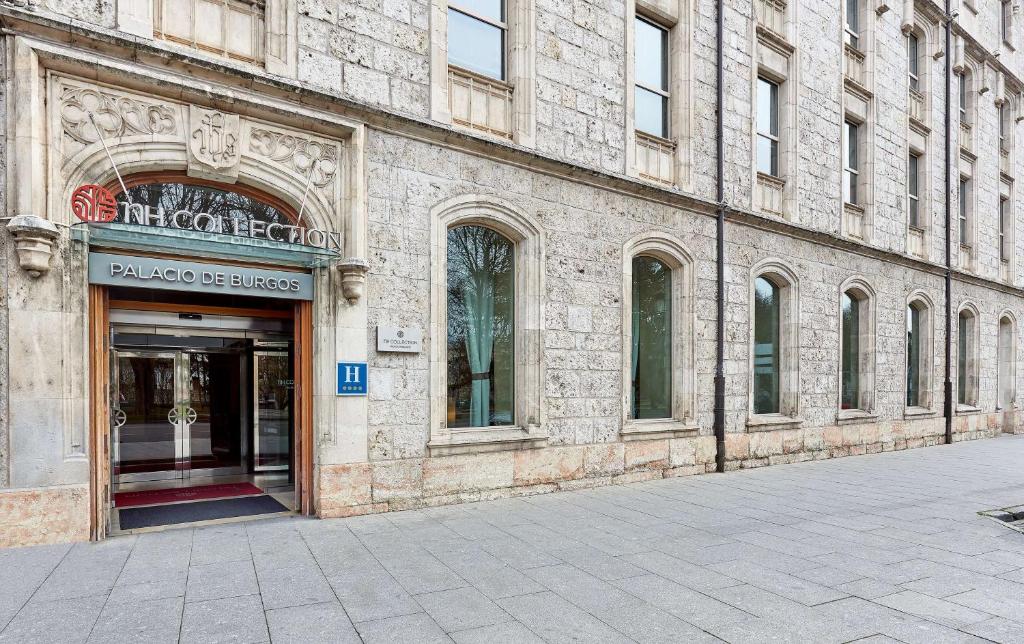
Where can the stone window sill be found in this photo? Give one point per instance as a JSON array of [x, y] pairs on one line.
[[919, 412], [649, 429], [771, 422], [486, 439], [967, 410], [853, 416]]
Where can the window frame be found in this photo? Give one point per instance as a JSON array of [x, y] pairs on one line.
[[852, 36], [914, 190], [670, 251], [968, 329], [774, 137], [666, 62], [785, 280], [1009, 362], [1005, 229], [503, 29], [528, 395], [1006, 23], [863, 295], [914, 76], [851, 169], [965, 228], [920, 301]]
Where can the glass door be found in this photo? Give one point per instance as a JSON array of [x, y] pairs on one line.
[[145, 417], [213, 388], [272, 410]]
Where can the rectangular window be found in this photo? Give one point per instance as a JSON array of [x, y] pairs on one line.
[[965, 228], [963, 98], [913, 62], [851, 167], [230, 28], [913, 190], [852, 27], [477, 33], [1005, 223], [1004, 128], [651, 72], [1006, 22], [767, 127]]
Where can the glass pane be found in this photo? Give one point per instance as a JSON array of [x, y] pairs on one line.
[[766, 347], [481, 319], [961, 359], [767, 156], [145, 395], [913, 356], [1007, 386], [767, 107], [651, 55], [230, 212], [273, 391], [651, 113], [215, 393], [476, 45], [851, 145], [912, 57], [912, 174], [652, 339], [914, 215], [851, 353], [493, 9], [852, 21]]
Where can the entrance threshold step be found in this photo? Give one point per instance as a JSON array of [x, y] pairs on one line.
[[165, 515]]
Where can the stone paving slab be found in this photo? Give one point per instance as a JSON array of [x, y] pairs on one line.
[[878, 548]]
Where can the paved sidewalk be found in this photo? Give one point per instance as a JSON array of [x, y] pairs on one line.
[[879, 548]]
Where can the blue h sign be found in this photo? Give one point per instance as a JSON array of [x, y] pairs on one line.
[[351, 379]]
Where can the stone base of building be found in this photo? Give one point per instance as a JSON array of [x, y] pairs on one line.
[[383, 486], [35, 516]]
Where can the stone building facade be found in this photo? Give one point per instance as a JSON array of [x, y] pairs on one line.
[[352, 114]]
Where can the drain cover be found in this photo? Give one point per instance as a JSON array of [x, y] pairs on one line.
[[1012, 518]]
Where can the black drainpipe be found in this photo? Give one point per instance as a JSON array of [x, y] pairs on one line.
[[720, 243], [948, 402]]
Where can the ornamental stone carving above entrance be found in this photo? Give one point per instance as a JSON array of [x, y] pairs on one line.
[[213, 146]]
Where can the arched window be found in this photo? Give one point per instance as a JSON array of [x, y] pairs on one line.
[[775, 381], [651, 351], [919, 354], [657, 337], [857, 365], [967, 358], [481, 321], [1007, 356], [767, 346]]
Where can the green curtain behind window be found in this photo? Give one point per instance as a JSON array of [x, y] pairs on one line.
[[652, 338]]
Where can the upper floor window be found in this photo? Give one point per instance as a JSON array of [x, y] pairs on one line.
[[767, 127], [913, 190], [231, 28], [651, 338], [651, 73], [851, 164], [1005, 229], [962, 89], [965, 212], [1006, 21], [481, 327], [851, 31], [1004, 127], [914, 61], [476, 36]]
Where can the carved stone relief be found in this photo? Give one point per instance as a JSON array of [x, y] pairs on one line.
[[316, 160], [214, 150], [113, 115]]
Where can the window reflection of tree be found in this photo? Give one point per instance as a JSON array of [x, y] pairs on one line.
[[479, 260], [171, 197], [652, 319]]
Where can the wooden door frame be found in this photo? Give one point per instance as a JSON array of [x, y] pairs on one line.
[[99, 400]]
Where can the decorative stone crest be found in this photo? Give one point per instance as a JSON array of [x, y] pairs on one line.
[[213, 144], [114, 115], [33, 241], [310, 158]]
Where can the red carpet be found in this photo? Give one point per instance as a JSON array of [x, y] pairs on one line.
[[178, 494]]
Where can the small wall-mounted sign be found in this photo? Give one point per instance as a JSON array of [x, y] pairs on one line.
[[399, 339], [351, 379]]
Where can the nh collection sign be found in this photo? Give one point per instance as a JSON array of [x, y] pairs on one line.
[[168, 274], [95, 204]]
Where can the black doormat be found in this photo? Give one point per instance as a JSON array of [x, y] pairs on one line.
[[157, 515]]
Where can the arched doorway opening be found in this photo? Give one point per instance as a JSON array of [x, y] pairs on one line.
[[201, 360]]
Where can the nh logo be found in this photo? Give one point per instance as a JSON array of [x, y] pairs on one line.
[[351, 379]]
